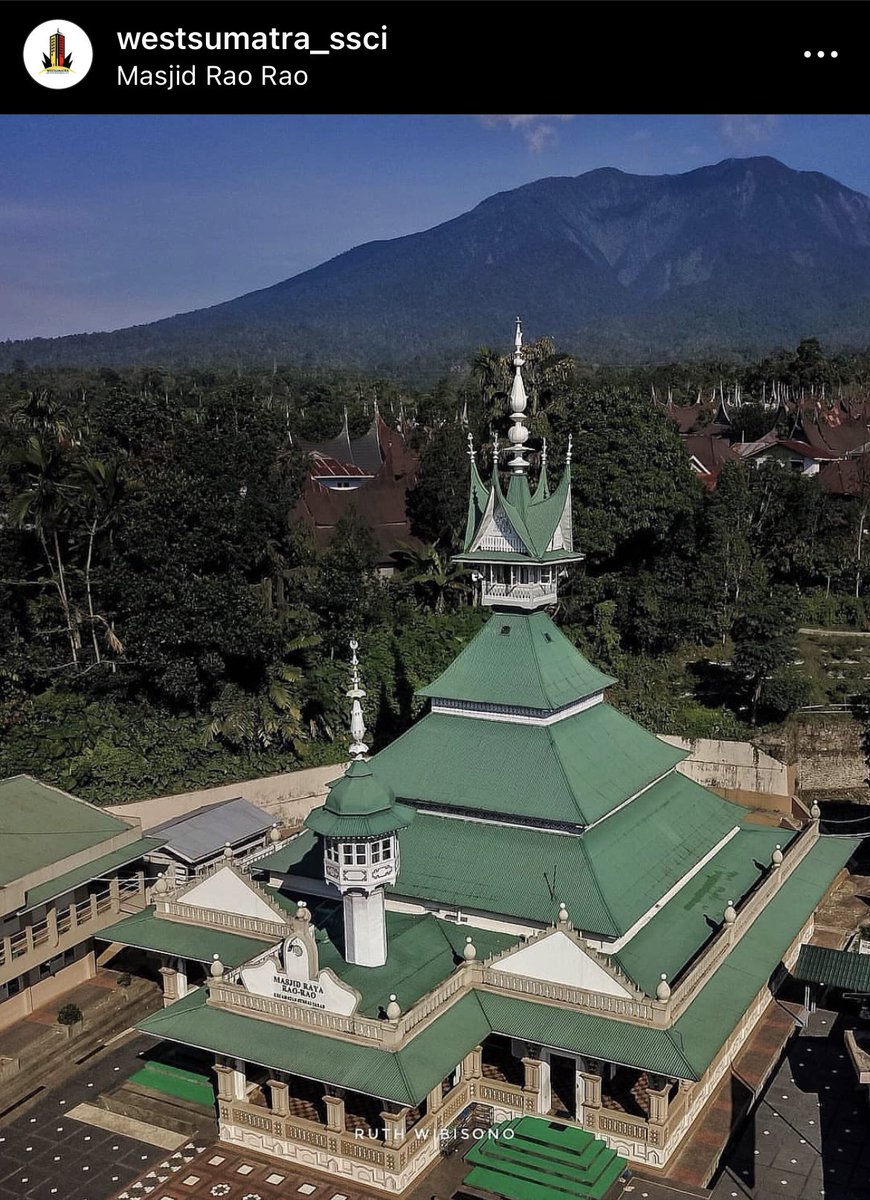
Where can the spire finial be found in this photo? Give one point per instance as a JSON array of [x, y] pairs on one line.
[[495, 451], [358, 748], [471, 452], [544, 453], [570, 450], [518, 435]]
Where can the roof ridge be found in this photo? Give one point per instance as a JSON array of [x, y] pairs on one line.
[[530, 632]]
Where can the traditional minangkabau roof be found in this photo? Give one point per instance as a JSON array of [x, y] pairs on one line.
[[363, 453]]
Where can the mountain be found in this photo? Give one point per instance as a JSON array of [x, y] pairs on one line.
[[739, 257]]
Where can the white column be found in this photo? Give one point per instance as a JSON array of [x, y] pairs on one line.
[[365, 930], [240, 1079], [546, 1090], [181, 979]]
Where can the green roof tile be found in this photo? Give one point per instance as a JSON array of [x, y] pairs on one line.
[[359, 805], [41, 825], [92, 870], [833, 968], [662, 835], [573, 771], [519, 659], [404, 1076], [200, 943], [679, 930]]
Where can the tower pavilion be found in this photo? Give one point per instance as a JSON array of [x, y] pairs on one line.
[[574, 929]]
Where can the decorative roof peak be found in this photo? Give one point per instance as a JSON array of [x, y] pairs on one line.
[[355, 693], [471, 452], [518, 434]]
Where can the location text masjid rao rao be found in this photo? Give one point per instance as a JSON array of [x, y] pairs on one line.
[[177, 75]]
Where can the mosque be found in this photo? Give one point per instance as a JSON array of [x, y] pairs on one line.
[[519, 908]]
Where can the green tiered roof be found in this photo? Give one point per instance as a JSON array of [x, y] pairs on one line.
[[608, 877], [533, 516], [684, 1051], [359, 805], [519, 659], [572, 772], [543, 1160]]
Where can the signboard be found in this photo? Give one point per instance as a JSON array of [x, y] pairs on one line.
[[297, 980]]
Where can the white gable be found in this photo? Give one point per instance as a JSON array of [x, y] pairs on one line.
[[227, 892], [497, 533], [558, 959]]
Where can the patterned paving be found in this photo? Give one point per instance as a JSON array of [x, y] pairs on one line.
[[219, 1172]]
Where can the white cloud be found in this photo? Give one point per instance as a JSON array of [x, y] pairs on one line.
[[743, 131], [538, 129]]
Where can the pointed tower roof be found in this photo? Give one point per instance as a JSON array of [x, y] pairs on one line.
[[358, 804]]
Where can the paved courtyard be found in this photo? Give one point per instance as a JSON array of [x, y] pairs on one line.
[[46, 1155], [809, 1136]]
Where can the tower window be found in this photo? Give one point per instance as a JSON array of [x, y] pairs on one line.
[[382, 850]]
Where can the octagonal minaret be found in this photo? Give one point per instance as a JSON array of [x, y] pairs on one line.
[[359, 826], [518, 541]]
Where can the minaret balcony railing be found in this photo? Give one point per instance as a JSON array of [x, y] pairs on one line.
[[520, 593]]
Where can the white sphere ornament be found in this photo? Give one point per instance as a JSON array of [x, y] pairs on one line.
[[303, 912], [663, 991], [161, 886], [275, 833], [563, 914], [730, 914], [216, 968], [470, 951], [776, 857], [393, 1009], [228, 850], [815, 811]]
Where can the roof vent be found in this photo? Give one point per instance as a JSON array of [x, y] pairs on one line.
[[504, 630], [547, 637]]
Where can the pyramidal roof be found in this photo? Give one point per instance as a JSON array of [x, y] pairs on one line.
[[520, 660]]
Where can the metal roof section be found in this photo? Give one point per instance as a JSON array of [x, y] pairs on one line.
[[205, 832], [146, 931], [41, 825], [833, 968], [519, 659], [572, 772]]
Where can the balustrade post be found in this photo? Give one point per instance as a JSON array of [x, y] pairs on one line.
[[169, 977], [536, 1084], [394, 1126], [434, 1099], [335, 1117], [114, 893], [472, 1064], [224, 1082], [51, 918], [280, 1097], [658, 1103]]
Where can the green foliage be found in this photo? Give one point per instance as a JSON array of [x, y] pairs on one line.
[[786, 690], [69, 1014]]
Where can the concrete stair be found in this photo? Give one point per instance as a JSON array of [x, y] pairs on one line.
[[195, 1121]]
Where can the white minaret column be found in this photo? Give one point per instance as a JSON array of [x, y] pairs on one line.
[[518, 435], [365, 927]]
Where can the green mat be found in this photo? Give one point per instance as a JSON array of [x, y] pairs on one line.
[[175, 1081]]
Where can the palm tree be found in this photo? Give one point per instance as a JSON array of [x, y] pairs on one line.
[[42, 508], [101, 486], [434, 576]]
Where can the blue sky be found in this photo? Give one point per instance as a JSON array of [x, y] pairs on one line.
[[109, 221]]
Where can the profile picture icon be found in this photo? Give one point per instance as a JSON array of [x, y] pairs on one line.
[[58, 54]]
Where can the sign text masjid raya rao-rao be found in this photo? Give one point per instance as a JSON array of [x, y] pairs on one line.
[[297, 979]]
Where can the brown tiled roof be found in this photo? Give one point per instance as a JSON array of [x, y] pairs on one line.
[[379, 502], [847, 476]]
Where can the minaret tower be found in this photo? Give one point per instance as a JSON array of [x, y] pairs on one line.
[[358, 826], [518, 541]]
